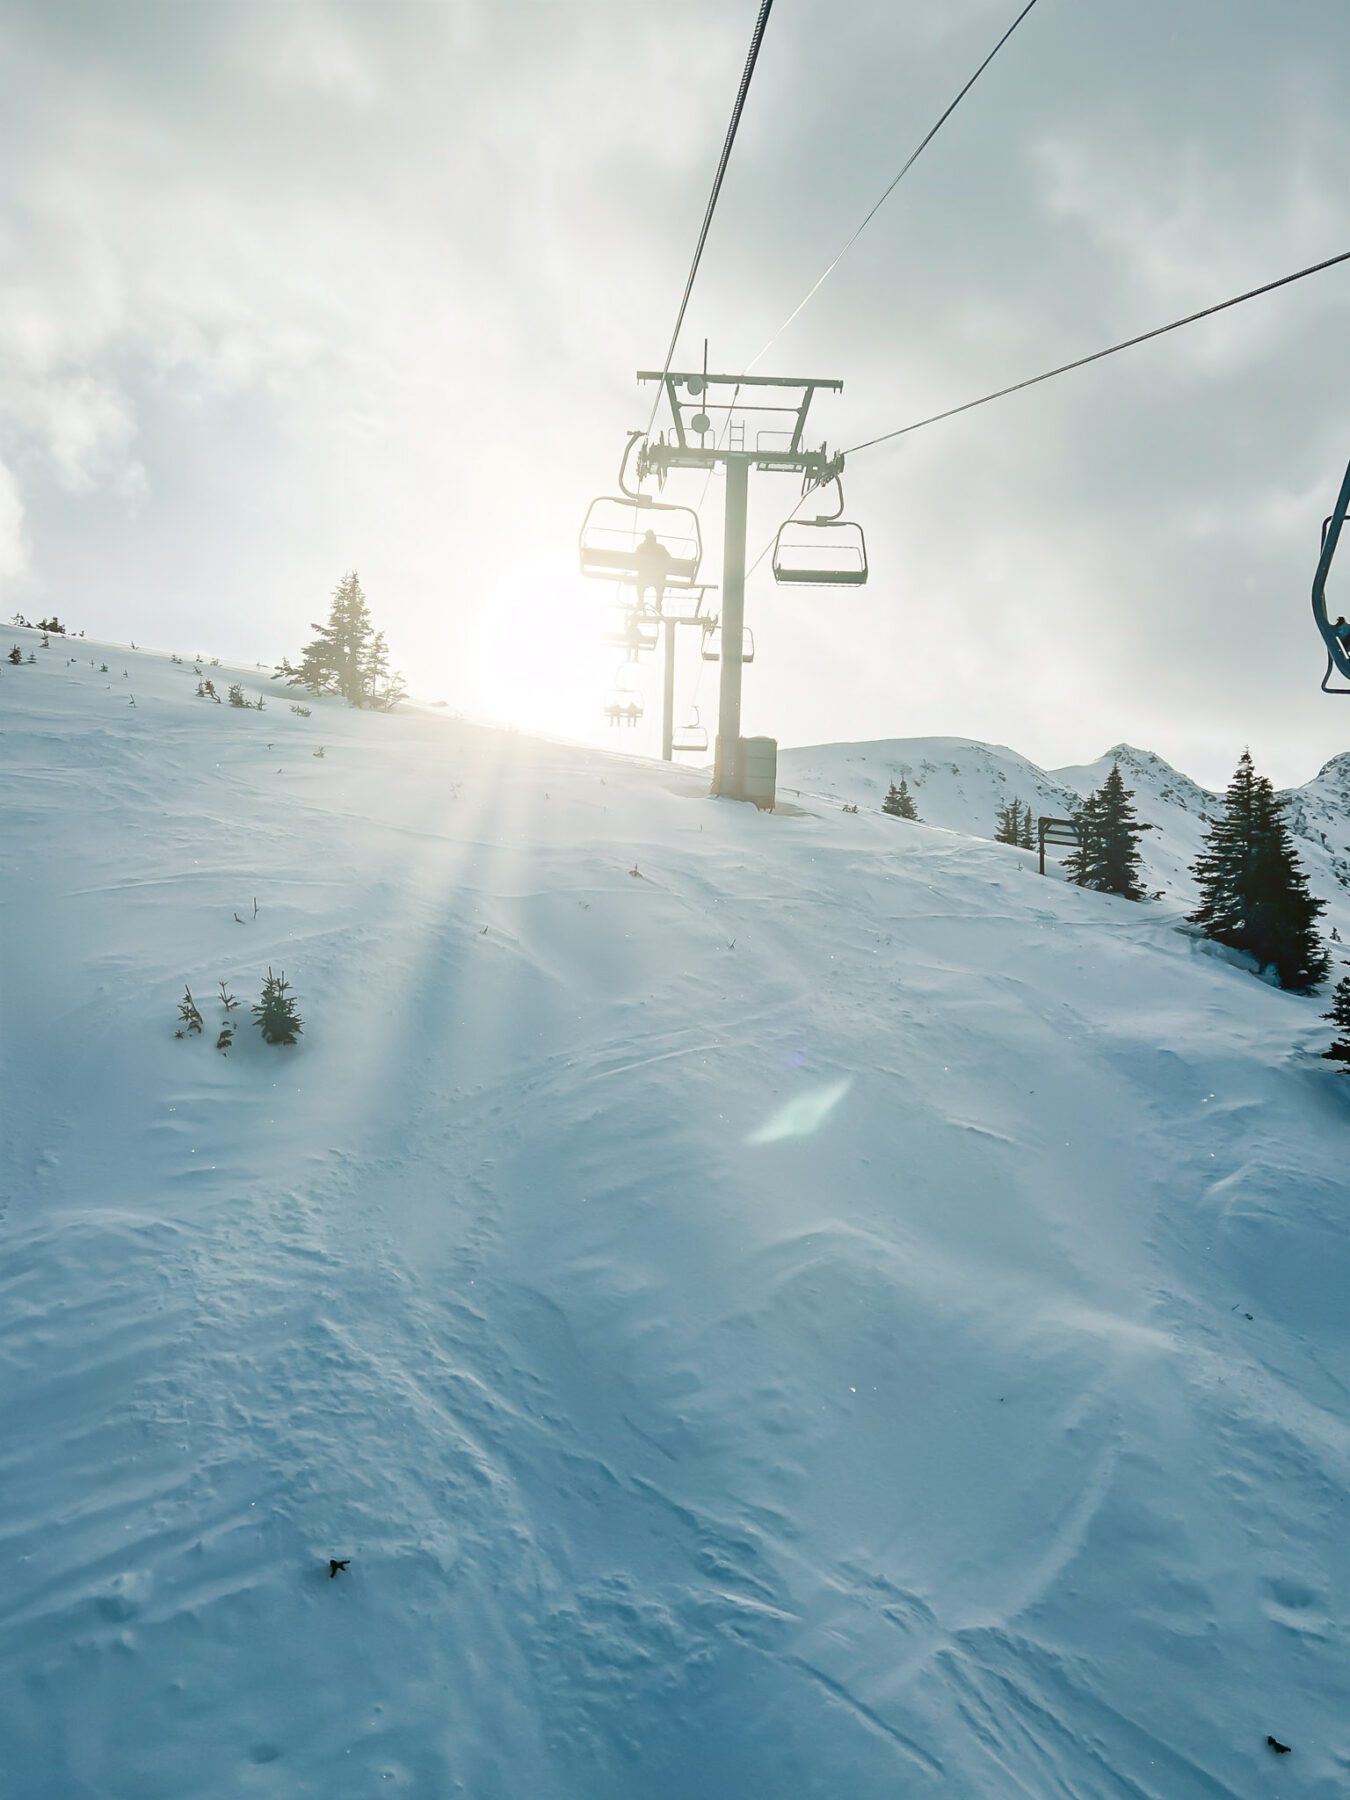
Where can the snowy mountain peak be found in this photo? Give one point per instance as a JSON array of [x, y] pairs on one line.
[[960, 784]]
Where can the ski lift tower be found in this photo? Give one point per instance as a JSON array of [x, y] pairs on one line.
[[693, 444]]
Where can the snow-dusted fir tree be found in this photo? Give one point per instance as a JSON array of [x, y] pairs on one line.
[[1253, 892], [899, 802], [1340, 1017], [1008, 823], [347, 655], [1107, 857], [383, 690], [276, 1012], [1027, 839]]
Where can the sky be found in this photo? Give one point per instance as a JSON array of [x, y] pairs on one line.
[[290, 289]]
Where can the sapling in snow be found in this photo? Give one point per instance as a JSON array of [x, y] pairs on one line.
[[189, 1014], [277, 1015]]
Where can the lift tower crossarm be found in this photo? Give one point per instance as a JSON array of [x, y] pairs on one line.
[[743, 381]]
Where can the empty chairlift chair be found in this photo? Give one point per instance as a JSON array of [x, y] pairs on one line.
[[711, 648], [827, 551], [690, 738]]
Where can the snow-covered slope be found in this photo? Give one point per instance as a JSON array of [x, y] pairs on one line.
[[958, 783], [785, 1306], [961, 785]]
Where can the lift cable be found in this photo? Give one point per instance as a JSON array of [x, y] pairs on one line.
[[1097, 355], [913, 157], [756, 39], [830, 267], [1063, 369]]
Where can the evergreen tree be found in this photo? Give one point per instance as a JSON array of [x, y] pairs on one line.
[[188, 1013], [1107, 857], [383, 691], [347, 656], [899, 802], [278, 1019], [1027, 841], [1008, 825], [16, 655], [1081, 863], [1340, 1016], [1253, 891]]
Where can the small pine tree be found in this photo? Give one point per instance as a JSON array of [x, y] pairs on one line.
[[1008, 825], [1027, 840], [188, 1013], [899, 802], [1340, 1016], [1253, 891], [32, 656], [227, 1000], [16, 655], [278, 1018], [226, 1037], [237, 694]]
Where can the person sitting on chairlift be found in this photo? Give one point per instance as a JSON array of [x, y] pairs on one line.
[[1341, 632], [652, 565]]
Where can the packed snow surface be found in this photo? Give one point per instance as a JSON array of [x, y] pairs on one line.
[[774, 1307]]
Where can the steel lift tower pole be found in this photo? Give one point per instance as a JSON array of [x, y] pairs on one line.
[[688, 393], [728, 776]]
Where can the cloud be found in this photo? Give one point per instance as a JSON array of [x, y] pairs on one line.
[[13, 551]]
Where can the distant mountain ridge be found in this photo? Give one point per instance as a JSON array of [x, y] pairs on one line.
[[959, 784]]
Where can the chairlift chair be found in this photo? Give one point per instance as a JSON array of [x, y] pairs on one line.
[[711, 647], [827, 551], [624, 704], [612, 533], [1335, 635], [691, 737], [630, 630]]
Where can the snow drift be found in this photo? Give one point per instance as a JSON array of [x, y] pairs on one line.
[[770, 1305]]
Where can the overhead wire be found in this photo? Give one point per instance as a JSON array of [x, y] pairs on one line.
[[1080, 362], [756, 39], [1097, 355], [904, 169]]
